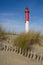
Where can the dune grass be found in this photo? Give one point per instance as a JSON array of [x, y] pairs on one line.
[[2, 33], [25, 40]]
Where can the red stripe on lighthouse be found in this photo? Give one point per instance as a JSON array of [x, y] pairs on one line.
[[27, 15]]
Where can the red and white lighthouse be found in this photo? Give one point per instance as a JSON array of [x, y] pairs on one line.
[[27, 20]]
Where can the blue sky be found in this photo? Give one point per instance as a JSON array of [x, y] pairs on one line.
[[12, 15]]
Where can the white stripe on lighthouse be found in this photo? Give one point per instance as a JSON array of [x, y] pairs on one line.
[[27, 26]]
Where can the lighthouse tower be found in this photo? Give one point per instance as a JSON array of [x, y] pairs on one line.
[[26, 20]]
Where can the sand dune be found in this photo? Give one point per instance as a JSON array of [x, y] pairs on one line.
[[12, 58]]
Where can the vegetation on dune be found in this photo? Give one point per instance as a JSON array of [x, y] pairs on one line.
[[25, 40], [2, 33]]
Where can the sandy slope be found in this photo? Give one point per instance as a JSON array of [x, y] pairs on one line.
[[12, 58]]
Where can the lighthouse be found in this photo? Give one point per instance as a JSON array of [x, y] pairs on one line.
[[26, 20]]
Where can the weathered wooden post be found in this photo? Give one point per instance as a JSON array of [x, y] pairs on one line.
[[23, 52], [5, 47], [34, 56], [20, 50], [26, 52], [13, 49], [29, 54], [41, 57], [8, 48]]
